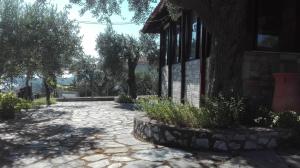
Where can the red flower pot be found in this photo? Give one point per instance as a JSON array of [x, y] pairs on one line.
[[287, 92]]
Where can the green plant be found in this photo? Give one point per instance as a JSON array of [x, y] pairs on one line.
[[42, 101], [289, 119], [163, 109], [221, 111], [24, 104], [124, 99], [265, 117], [10, 103], [146, 83], [225, 110]]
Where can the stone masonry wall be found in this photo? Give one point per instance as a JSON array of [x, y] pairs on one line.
[[192, 89], [216, 140], [258, 66], [165, 77], [176, 83]]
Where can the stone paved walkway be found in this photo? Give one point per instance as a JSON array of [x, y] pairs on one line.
[[98, 134]]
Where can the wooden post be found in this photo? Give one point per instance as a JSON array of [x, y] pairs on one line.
[[161, 56], [184, 54], [170, 58]]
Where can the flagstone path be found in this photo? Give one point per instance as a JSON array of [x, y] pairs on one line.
[[98, 134]]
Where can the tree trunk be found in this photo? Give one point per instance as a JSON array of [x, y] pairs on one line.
[[131, 80], [92, 85], [28, 90], [47, 90]]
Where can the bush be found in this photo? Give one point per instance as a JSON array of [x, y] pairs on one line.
[[219, 112], [42, 101], [269, 118], [288, 119], [124, 99], [24, 104], [165, 110], [146, 83], [222, 111], [10, 103], [265, 117]]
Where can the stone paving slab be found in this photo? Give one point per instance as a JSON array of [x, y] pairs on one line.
[[98, 134]]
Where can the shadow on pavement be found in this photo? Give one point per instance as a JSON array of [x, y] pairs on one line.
[[126, 106], [37, 134]]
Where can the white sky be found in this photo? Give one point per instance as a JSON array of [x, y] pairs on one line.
[[91, 31]]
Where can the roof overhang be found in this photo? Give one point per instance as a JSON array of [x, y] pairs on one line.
[[157, 18]]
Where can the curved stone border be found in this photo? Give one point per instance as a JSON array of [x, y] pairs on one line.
[[209, 139]]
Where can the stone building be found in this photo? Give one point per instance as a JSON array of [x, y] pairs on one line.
[[186, 42]]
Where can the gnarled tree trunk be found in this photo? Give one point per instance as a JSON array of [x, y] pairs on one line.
[[131, 81], [48, 92]]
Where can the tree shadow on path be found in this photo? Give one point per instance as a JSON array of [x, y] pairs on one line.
[[126, 106], [42, 134]]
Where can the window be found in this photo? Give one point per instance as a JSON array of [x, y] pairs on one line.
[[194, 41], [268, 24], [177, 33]]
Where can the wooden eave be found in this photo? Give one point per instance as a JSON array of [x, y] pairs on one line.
[[157, 19]]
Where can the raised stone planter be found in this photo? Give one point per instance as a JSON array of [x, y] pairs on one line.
[[209, 139]]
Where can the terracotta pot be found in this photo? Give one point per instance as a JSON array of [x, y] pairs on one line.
[[287, 92]]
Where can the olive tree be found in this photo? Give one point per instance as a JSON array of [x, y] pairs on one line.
[[121, 53], [55, 42], [10, 42], [226, 21]]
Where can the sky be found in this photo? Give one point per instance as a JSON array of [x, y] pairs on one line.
[[89, 32]]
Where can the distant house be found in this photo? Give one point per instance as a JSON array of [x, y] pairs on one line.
[[273, 28]]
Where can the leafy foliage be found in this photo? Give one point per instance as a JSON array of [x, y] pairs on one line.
[[89, 76], [287, 119], [42, 101], [109, 47], [103, 10], [10, 38], [147, 83], [120, 55], [36, 39], [9, 104], [223, 110], [219, 112], [165, 110]]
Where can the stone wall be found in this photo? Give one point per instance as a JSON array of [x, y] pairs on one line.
[[192, 89], [217, 140], [176, 83], [258, 66], [165, 79]]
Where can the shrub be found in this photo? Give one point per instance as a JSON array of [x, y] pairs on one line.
[[10, 103], [42, 101], [288, 119], [222, 111], [265, 117], [219, 112], [165, 110], [146, 83], [124, 99], [24, 104]]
